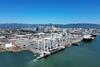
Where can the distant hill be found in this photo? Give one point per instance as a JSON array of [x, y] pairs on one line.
[[18, 26], [83, 25]]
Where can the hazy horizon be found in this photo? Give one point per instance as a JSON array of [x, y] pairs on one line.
[[50, 11], [53, 23]]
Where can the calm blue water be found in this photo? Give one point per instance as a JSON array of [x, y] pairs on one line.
[[85, 55]]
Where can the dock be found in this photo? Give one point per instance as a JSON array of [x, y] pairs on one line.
[[44, 45]]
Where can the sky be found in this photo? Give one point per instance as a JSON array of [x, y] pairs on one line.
[[50, 11]]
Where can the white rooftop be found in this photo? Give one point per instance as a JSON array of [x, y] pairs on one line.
[[9, 45]]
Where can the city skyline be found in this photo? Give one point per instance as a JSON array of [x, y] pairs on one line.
[[50, 11]]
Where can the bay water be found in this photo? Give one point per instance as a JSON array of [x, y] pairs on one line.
[[85, 55]]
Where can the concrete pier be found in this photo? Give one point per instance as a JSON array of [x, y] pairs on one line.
[[43, 45]]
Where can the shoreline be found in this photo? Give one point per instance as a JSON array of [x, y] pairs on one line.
[[67, 44], [42, 54]]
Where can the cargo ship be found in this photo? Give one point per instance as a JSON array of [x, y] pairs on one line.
[[89, 37]]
